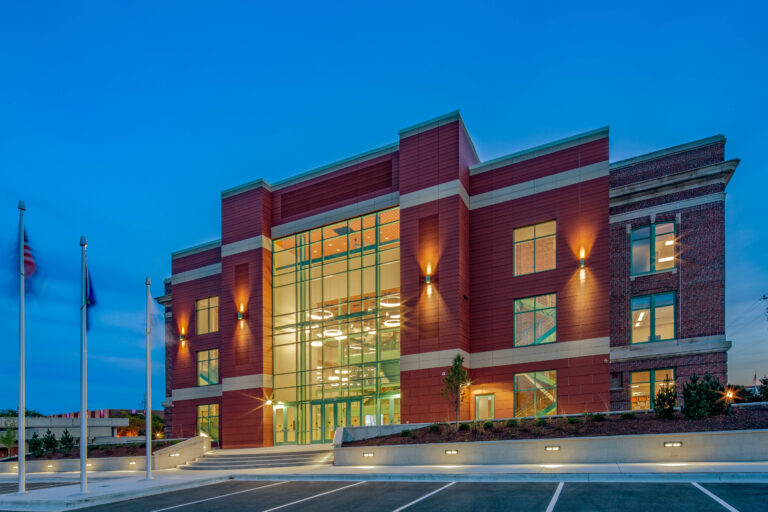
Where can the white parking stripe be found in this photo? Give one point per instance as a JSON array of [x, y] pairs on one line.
[[727, 506], [555, 496], [218, 497], [313, 497], [423, 497]]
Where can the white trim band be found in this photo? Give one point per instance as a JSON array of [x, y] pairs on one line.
[[257, 380], [249, 244], [433, 193], [671, 348], [196, 392], [668, 207], [539, 185], [509, 356], [196, 273], [331, 216]]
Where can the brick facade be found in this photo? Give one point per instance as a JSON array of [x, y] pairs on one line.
[[457, 218]]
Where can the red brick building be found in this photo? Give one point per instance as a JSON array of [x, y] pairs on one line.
[[339, 297]]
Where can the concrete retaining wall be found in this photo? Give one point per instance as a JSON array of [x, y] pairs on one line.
[[347, 434], [732, 446], [165, 458]]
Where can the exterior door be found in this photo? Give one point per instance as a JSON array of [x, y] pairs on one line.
[[285, 424]]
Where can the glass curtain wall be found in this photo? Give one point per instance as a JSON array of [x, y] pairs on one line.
[[336, 331]]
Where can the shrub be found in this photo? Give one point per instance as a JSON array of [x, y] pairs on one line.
[[541, 422], [434, 428], [511, 423], [598, 417], [664, 401], [405, 433], [704, 397], [627, 415], [718, 404], [488, 425], [572, 420], [762, 390], [463, 426], [35, 445], [67, 442], [131, 449], [50, 444]]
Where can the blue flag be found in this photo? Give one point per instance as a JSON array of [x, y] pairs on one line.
[[90, 300]]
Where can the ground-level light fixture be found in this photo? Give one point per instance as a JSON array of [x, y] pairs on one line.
[[552, 448], [368, 454], [673, 444], [451, 452]]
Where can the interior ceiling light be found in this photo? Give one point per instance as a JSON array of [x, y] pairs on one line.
[[332, 332], [390, 301], [321, 314], [668, 258], [333, 377], [669, 242], [392, 323], [642, 315], [316, 344]]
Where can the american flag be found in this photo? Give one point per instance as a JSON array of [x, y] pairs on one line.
[[29, 259]]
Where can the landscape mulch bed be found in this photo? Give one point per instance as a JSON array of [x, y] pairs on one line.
[[741, 418]]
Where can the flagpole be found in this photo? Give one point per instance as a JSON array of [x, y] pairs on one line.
[[22, 454], [83, 368], [148, 412]]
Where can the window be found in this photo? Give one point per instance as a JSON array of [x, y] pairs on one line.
[[208, 367], [207, 315], [536, 393], [643, 382], [484, 407], [653, 318], [535, 248], [208, 420], [653, 248], [535, 321]]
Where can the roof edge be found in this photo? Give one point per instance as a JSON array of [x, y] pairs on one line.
[[541, 150], [668, 151], [196, 249], [429, 124]]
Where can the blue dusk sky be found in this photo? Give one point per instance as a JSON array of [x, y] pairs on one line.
[[123, 121]]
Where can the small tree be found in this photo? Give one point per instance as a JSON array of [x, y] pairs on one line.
[[695, 394], [717, 400], [762, 389], [67, 442], [35, 445], [664, 401], [49, 442], [455, 384], [8, 437]]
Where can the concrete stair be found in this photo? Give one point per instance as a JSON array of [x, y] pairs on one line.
[[263, 460]]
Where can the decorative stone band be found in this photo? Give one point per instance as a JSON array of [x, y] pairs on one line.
[[249, 244], [254, 381], [433, 193], [668, 207], [671, 348], [197, 273], [539, 185], [345, 212], [505, 357]]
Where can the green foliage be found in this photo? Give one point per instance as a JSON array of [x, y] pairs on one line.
[[434, 428], [12, 413], [405, 433], [463, 426], [511, 423], [598, 417], [8, 437], [50, 444], [35, 445], [455, 384], [541, 422], [627, 415], [67, 442], [572, 420], [665, 399], [762, 389], [488, 425], [704, 397]]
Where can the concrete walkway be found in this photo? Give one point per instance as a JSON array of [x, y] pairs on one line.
[[106, 487]]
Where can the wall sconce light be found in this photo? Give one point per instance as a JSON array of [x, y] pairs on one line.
[[581, 258], [428, 276], [182, 337], [241, 312]]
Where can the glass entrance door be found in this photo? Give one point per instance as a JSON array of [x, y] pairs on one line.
[[285, 424], [328, 416]]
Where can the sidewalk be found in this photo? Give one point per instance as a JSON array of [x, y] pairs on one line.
[[106, 487]]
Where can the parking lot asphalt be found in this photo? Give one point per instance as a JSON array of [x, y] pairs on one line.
[[293, 496]]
